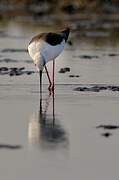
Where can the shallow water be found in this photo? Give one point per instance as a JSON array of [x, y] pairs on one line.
[[58, 138]]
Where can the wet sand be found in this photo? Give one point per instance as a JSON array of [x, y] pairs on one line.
[[71, 136]]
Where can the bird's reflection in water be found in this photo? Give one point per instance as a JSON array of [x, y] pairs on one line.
[[45, 130]]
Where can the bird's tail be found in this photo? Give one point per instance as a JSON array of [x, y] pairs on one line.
[[66, 33]]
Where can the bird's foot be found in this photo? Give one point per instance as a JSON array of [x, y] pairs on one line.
[[51, 88]]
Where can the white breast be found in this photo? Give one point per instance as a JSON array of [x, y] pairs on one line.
[[48, 51]]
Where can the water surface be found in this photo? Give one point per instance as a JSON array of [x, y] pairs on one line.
[[58, 138]]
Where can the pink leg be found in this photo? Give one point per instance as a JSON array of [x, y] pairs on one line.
[[53, 75], [50, 83]]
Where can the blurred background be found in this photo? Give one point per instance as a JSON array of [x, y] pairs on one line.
[[86, 14]]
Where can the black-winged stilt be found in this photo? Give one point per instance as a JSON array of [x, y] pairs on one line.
[[46, 47]]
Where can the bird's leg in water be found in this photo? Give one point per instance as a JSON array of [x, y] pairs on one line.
[[53, 74], [50, 83], [40, 74], [53, 98]]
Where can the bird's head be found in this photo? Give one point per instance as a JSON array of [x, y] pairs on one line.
[[39, 61]]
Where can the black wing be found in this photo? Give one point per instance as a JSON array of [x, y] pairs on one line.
[[54, 38]]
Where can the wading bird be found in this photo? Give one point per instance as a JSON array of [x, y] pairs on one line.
[[46, 47]]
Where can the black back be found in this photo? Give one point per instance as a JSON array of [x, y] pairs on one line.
[[52, 38]]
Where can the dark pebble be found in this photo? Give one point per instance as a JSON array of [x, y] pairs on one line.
[[14, 50], [103, 88], [64, 70], [15, 73], [107, 134], [112, 55], [108, 87], [18, 73], [14, 69], [85, 57], [12, 73], [94, 89], [22, 68], [8, 146], [114, 88], [85, 89], [72, 76], [111, 127], [88, 56], [67, 69], [3, 69], [81, 89], [29, 72]]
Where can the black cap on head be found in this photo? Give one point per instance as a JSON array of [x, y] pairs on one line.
[[66, 33]]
